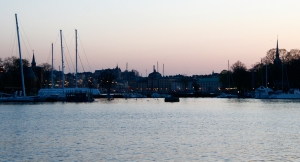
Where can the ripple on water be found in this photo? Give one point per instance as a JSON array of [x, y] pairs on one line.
[[151, 130]]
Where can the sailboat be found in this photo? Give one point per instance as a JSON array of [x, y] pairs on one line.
[[68, 94], [291, 94], [263, 92], [19, 97]]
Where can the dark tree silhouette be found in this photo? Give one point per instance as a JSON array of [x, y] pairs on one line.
[[47, 72], [106, 79], [240, 76], [184, 81], [196, 85], [12, 75]]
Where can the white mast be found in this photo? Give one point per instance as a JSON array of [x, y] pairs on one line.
[[228, 75], [21, 65], [62, 61], [267, 73], [163, 70], [76, 57], [282, 75], [52, 69]]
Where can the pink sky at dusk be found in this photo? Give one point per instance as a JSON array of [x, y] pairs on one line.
[[188, 37]]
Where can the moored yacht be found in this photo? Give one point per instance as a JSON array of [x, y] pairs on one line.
[[263, 92], [292, 94]]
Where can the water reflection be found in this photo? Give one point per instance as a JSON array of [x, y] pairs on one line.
[[195, 129]]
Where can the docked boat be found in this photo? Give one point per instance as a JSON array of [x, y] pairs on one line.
[[156, 95], [225, 95], [79, 96], [56, 94], [263, 92], [133, 95], [292, 94], [18, 97], [68, 94], [171, 99]]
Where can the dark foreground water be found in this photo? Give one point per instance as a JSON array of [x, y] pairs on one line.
[[152, 130]]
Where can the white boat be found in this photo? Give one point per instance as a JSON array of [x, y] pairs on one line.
[[17, 97], [225, 95], [155, 95], [263, 92], [22, 96], [60, 94], [292, 94], [134, 95]]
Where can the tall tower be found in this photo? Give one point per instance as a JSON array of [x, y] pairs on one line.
[[277, 60], [33, 63]]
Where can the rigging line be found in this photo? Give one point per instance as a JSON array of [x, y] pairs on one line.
[[35, 75], [25, 47], [57, 36], [69, 55], [26, 37], [81, 63], [85, 54], [49, 55], [67, 62], [13, 46]]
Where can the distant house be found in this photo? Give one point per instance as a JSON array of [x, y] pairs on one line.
[[209, 83], [153, 80], [143, 84]]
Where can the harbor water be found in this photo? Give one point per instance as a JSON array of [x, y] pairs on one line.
[[194, 129]]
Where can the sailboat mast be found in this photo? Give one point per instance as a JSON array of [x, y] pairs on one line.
[[21, 65], [267, 73], [76, 58], [62, 61], [282, 75], [52, 68]]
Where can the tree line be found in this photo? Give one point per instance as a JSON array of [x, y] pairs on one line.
[[265, 72], [262, 73], [10, 76]]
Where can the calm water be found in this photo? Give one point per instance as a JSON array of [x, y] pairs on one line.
[[152, 130]]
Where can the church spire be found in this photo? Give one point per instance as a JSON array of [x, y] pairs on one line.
[[277, 51], [33, 63], [277, 59]]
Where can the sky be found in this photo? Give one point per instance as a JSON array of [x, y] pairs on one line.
[[193, 37]]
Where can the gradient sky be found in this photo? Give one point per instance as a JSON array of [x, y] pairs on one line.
[[188, 37]]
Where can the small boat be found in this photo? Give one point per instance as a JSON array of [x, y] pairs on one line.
[[171, 99], [155, 95], [134, 95], [225, 95], [79, 96], [17, 99]]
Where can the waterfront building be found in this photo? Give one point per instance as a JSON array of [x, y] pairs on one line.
[[165, 84], [153, 80], [209, 83], [131, 78], [143, 84]]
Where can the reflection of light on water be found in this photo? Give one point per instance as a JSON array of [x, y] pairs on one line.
[[195, 129]]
